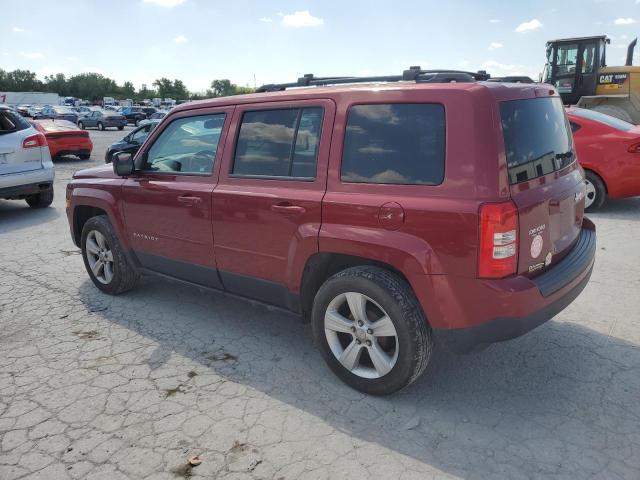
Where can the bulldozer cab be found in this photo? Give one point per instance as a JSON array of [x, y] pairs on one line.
[[573, 64]]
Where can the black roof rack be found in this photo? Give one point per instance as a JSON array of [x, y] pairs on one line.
[[413, 74]]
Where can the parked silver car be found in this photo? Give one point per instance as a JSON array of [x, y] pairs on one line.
[[102, 119], [26, 169]]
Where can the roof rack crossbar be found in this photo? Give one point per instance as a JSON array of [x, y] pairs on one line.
[[414, 73]]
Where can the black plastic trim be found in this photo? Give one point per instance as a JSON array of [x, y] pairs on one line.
[[190, 272], [20, 191], [570, 266]]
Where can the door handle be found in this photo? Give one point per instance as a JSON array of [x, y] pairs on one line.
[[287, 208], [189, 200]]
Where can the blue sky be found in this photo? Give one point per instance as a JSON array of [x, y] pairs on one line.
[[277, 41]]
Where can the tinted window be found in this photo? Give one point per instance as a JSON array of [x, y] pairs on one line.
[[536, 136], [279, 143], [141, 135], [613, 122], [574, 127], [187, 145], [10, 122], [394, 143]]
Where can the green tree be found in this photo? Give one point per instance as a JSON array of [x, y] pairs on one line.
[[180, 91], [128, 90], [224, 88], [56, 83]]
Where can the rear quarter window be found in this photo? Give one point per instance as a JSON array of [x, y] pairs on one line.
[[394, 144], [537, 137]]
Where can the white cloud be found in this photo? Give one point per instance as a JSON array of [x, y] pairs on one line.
[[31, 55], [266, 20], [17, 29], [494, 20], [301, 19], [495, 45], [624, 21], [529, 26], [181, 39], [497, 69], [165, 3]]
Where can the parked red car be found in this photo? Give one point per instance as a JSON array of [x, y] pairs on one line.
[[609, 151], [390, 215], [65, 138]]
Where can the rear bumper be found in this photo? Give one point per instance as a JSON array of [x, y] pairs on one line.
[[500, 310], [23, 179], [22, 191]]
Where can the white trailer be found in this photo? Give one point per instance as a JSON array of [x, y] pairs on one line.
[[29, 98]]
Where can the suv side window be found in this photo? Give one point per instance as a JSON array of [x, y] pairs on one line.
[[140, 136], [394, 144], [278, 143], [188, 145]]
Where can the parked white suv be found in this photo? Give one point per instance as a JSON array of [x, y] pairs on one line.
[[26, 169]]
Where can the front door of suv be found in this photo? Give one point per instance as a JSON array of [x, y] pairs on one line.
[[167, 202], [267, 204]]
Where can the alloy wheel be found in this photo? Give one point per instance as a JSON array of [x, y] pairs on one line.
[[361, 335], [590, 196], [99, 256]]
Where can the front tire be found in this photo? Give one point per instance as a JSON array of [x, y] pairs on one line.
[[120, 127], [371, 330], [40, 200], [104, 258], [596, 192]]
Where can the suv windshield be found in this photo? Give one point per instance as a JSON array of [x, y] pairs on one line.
[[613, 122], [537, 137]]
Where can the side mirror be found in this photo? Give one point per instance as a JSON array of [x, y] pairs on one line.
[[123, 164]]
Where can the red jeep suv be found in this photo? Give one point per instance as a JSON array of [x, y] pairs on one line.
[[391, 212]]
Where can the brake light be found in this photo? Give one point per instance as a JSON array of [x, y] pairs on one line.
[[498, 249], [37, 140], [634, 148]]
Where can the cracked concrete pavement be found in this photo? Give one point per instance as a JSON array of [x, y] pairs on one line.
[[98, 387]]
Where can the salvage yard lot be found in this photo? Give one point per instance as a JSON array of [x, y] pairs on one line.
[[93, 386]]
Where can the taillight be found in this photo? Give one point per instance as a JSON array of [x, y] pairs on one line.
[[37, 140], [634, 148], [498, 250]]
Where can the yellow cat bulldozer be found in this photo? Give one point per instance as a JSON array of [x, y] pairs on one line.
[[577, 67]]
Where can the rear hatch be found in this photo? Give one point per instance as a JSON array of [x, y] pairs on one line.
[[546, 183], [19, 151]]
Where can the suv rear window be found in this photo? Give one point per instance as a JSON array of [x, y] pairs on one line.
[[394, 143], [537, 137], [278, 143], [11, 122]]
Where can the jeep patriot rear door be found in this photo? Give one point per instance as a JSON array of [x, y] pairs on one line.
[[267, 204]]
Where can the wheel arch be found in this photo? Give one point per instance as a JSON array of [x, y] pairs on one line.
[[322, 265], [88, 203]]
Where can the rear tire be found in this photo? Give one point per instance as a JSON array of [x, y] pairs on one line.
[[596, 192], [84, 156], [121, 128], [101, 126], [614, 111], [407, 344], [122, 275], [81, 125], [40, 200]]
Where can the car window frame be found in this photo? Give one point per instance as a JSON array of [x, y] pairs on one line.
[[270, 107], [409, 185], [157, 132]]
